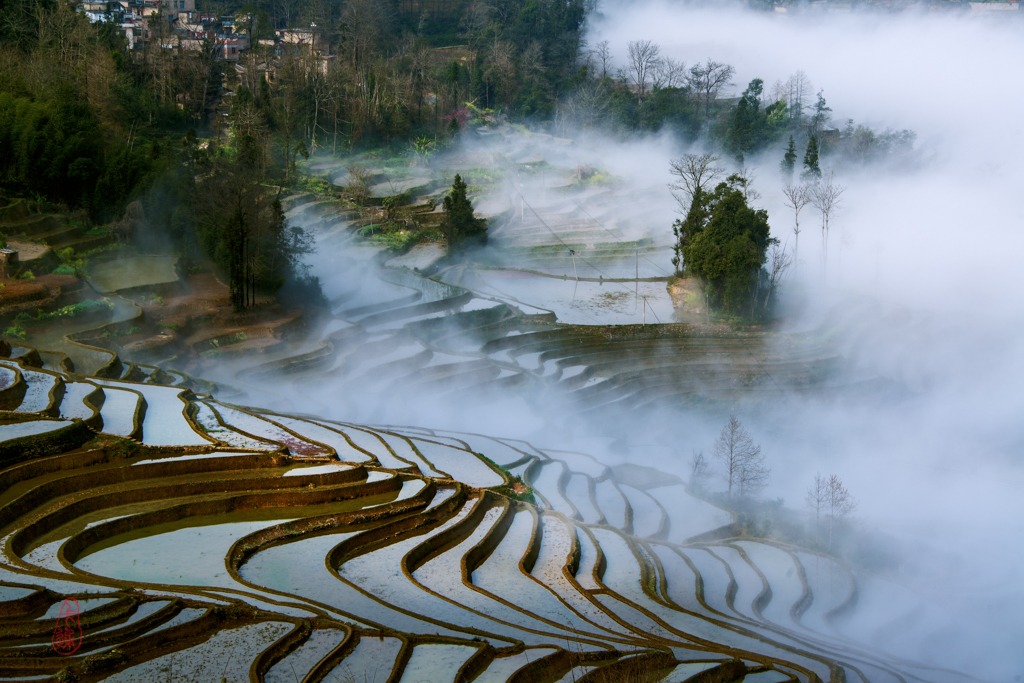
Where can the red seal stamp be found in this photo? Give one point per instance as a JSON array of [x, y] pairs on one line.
[[67, 634]]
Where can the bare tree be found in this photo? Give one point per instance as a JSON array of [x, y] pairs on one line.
[[708, 80], [585, 106], [778, 93], [696, 172], [602, 54], [827, 197], [531, 62], [359, 183], [364, 24], [700, 470], [817, 495], [798, 89], [745, 470], [839, 504], [745, 178], [643, 61], [501, 69], [505, 11], [474, 21], [797, 197], [828, 497], [669, 73], [778, 265]]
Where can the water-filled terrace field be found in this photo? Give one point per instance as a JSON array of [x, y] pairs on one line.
[[348, 550]]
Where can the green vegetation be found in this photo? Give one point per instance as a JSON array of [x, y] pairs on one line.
[[788, 165], [516, 489], [509, 491], [81, 308], [725, 243], [459, 225], [812, 171], [15, 330], [752, 128], [317, 186]]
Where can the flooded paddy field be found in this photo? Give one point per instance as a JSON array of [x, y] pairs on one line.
[[138, 271], [333, 550]]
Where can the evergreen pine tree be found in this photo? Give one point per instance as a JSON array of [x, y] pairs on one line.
[[789, 161], [812, 171], [459, 222]]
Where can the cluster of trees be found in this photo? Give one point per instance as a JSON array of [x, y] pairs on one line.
[[723, 240], [743, 470], [827, 497]]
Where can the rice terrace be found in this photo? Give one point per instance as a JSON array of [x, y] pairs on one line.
[[459, 342]]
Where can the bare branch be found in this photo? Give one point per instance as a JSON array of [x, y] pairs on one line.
[[643, 60], [708, 80], [695, 172], [778, 265], [827, 197], [669, 73], [839, 504], [602, 55], [745, 471], [797, 197]]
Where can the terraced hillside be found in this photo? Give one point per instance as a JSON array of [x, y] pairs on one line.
[[395, 330], [195, 539]]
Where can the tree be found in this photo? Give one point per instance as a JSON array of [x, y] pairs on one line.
[[778, 265], [728, 250], [744, 180], [459, 223], [602, 54], [817, 495], [821, 116], [812, 171], [829, 497], [827, 198], [695, 172], [669, 73], [797, 197], [788, 165], [501, 70], [685, 230], [745, 471], [839, 504], [241, 224], [643, 61], [707, 81], [798, 87], [585, 107], [747, 127]]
